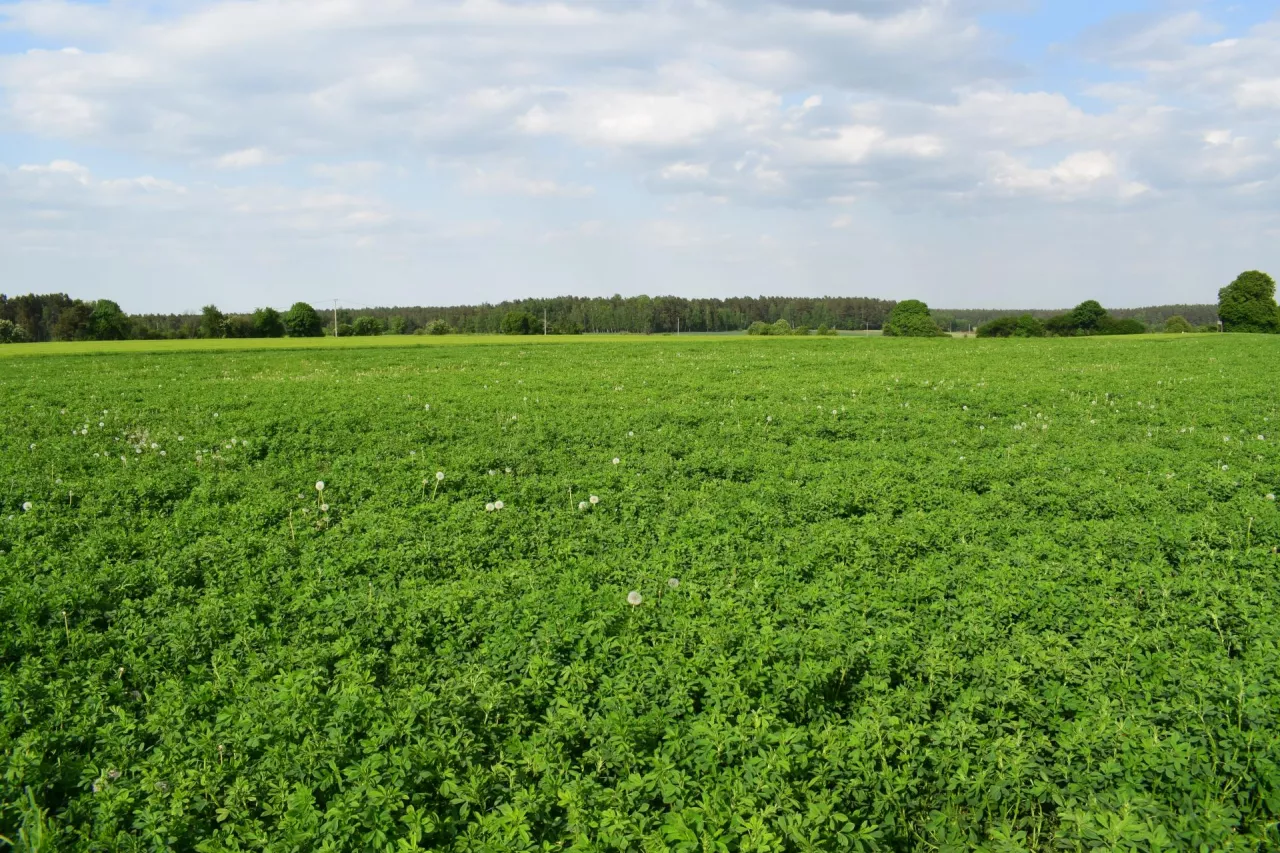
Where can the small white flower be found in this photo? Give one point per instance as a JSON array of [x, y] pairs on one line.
[[101, 424], [215, 414], [982, 429], [58, 482], [489, 507], [634, 598], [1224, 467], [1262, 438], [673, 582], [155, 446], [1226, 438], [32, 447], [1271, 497], [616, 460], [180, 438], [492, 472], [319, 485], [582, 504], [499, 505], [631, 434], [26, 506], [427, 407], [413, 453], [508, 470], [594, 500], [324, 507], [137, 450], [768, 419], [439, 476], [162, 453]]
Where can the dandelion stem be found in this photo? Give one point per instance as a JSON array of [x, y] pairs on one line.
[[293, 537], [66, 626]]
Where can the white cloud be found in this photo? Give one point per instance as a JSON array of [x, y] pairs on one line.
[[246, 158], [393, 124]]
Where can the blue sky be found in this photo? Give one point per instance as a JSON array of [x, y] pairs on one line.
[[1004, 153]]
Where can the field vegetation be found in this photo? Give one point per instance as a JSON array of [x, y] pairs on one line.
[[767, 594]]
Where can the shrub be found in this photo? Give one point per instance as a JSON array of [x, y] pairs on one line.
[[800, 330], [911, 319], [1177, 324], [519, 323], [12, 333], [267, 323], [366, 326], [437, 327]]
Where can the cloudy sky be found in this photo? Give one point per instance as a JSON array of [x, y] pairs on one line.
[[169, 153]]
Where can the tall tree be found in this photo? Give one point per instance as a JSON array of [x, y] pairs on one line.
[[1248, 304], [302, 321]]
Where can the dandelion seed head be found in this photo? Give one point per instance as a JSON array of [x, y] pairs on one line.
[[499, 505], [1224, 467], [1271, 496], [324, 507], [582, 504], [634, 598], [489, 507], [594, 500], [26, 506], [439, 476], [319, 485], [674, 583]]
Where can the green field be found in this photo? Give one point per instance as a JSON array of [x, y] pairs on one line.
[[893, 595]]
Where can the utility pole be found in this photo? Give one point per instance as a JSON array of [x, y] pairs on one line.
[[677, 325], [544, 322], [335, 318]]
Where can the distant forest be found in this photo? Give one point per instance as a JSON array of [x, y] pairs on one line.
[[46, 317]]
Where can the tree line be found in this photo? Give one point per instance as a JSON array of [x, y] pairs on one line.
[[1248, 304]]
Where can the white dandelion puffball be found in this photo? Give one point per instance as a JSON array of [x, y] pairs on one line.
[[32, 447], [768, 419], [1224, 467], [180, 438], [319, 485], [26, 506], [215, 414], [492, 472], [631, 434], [582, 504], [439, 476], [1262, 438], [427, 407], [1271, 497], [594, 500], [499, 505], [508, 470], [616, 460], [674, 583], [489, 507], [324, 507], [634, 598]]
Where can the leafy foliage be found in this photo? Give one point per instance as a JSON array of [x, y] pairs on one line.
[[1025, 326], [911, 319], [1248, 304], [927, 598], [302, 321], [1177, 324]]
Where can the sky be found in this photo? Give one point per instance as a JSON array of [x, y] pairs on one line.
[[972, 153]]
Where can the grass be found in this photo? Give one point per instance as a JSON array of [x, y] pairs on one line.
[[943, 594]]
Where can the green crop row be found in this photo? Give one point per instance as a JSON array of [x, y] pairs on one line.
[[832, 594]]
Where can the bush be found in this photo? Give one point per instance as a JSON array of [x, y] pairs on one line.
[[12, 333], [366, 326], [267, 323], [824, 330], [520, 323], [760, 328], [1177, 324], [800, 330], [911, 319], [781, 327], [437, 327], [1128, 326]]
